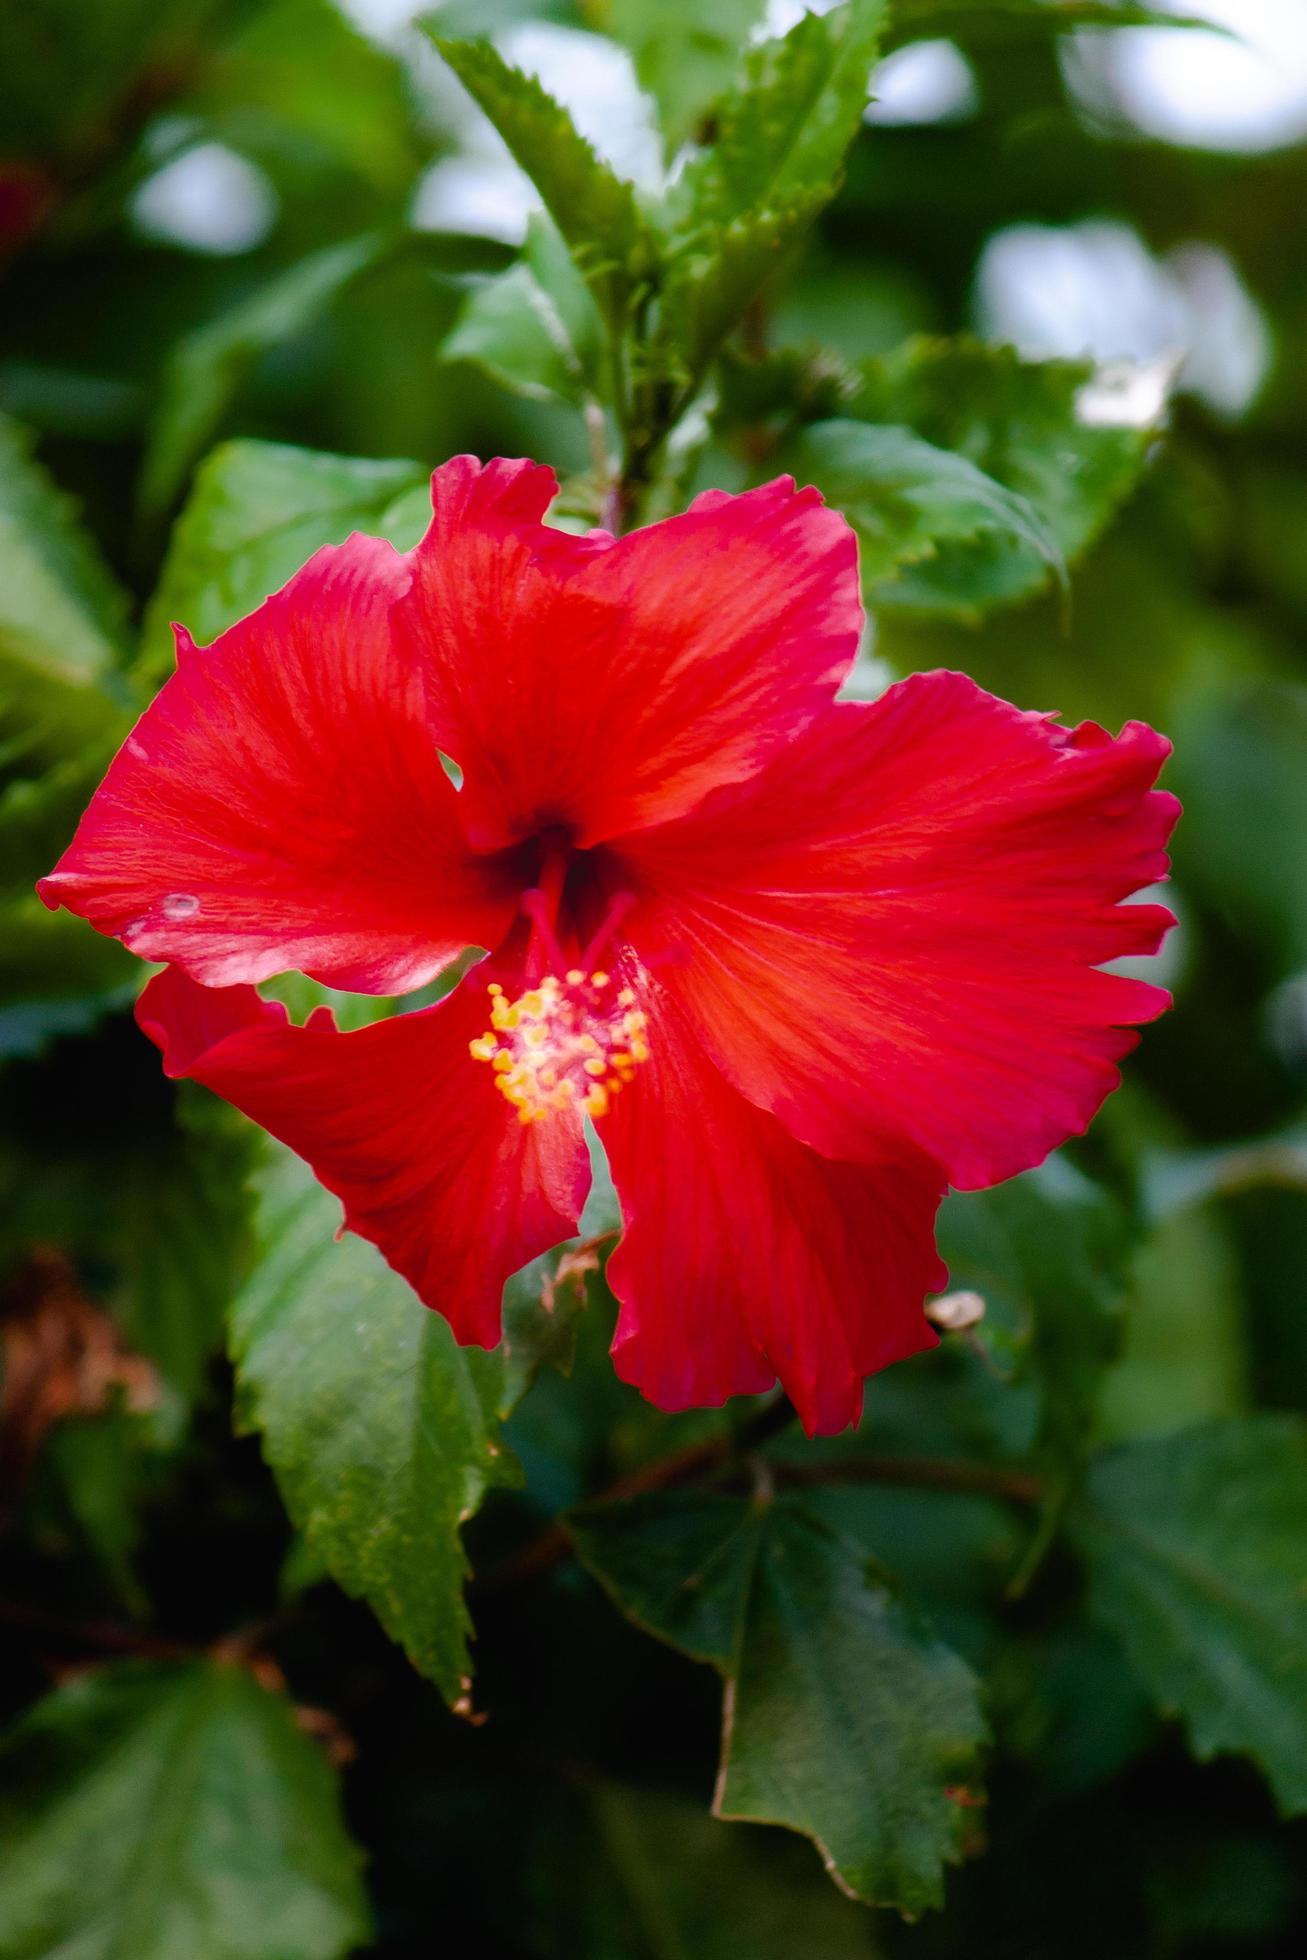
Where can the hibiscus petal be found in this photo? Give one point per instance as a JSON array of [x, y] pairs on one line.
[[895, 930], [745, 1255], [594, 684], [427, 1158], [282, 803]]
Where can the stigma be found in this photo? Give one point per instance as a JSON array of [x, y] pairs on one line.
[[569, 1043]]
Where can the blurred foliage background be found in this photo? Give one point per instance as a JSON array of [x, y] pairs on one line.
[[278, 221]]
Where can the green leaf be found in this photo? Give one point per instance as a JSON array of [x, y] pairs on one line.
[[62, 709], [1241, 770], [845, 1718], [381, 1431], [907, 499], [95, 1474], [208, 365], [1027, 425], [37, 817], [594, 209], [714, 278], [180, 1236], [541, 1305], [984, 22], [1195, 1550], [143, 1193], [952, 1551], [679, 1566], [848, 1720], [70, 69], [1186, 1356], [783, 130], [778, 388], [685, 55], [300, 996], [1175, 1180], [62, 618], [1047, 1254], [56, 975], [534, 328], [160, 1811], [740, 205], [627, 1874], [256, 512], [348, 109], [34, 510], [1067, 1702]]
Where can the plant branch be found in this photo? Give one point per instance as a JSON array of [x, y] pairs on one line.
[[960, 1475], [717, 1457]]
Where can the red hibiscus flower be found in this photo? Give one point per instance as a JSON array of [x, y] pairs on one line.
[[805, 962]]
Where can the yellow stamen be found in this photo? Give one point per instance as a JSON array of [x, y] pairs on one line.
[[560, 1046]]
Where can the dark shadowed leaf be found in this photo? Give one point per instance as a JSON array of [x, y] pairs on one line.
[[1185, 1359], [179, 1232], [1195, 1549], [633, 1874], [1047, 1253], [845, 1718], [1065, 1698], [56, 975], [169, 1810], [997, 21], [679, 1566], [207, 366], [849, 1720], [348, 109], [1241, 769], [69, 68]]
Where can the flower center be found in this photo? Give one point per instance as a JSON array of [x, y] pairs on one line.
[[574, 1042]]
